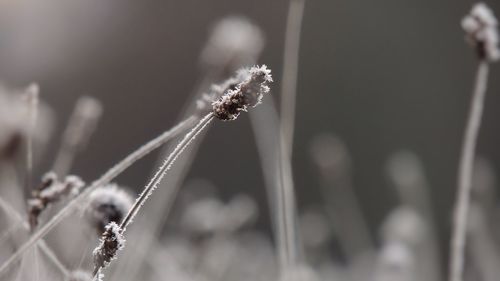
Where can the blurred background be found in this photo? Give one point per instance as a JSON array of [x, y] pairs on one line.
[[381, 75]]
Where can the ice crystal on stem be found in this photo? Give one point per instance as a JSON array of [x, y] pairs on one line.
[[112, 241], [239, 96]]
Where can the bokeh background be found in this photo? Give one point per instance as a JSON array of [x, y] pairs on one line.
[[382, 75]]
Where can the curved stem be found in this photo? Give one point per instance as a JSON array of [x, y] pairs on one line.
[[457, 247]]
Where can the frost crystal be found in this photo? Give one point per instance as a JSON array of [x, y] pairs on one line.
[[112, 241], [481, 30], [108, 204], [243, 91]]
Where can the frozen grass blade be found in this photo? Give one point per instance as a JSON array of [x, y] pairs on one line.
[[153, 183], [103, 180], [162, 170]]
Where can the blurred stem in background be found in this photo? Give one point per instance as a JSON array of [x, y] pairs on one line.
[[290, 72], [286, 210]]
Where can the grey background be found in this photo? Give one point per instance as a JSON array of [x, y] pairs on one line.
[[383, 75]]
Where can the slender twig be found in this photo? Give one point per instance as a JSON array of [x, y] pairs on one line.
[[162, 170], [104, 179], [290, 71], [457, 247], [159, 175]]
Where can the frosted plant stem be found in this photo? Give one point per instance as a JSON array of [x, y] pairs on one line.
[[160, 174], [290, 72], [41, 243], [457, 247], [162, 170], [104, 179]]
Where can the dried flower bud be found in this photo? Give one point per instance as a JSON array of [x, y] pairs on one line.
[[234, 41], [111, 242], [50, 191], [108, 204], [237, 97], [480, 26]]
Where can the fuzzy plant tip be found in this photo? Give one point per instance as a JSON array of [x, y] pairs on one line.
[[241, 92], [111, 242], [107, 204], [481, 28]]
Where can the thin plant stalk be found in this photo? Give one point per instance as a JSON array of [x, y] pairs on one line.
[[103, 180], [457, 247], [162, 170], [285, 197], [290, 71], [160, 174]]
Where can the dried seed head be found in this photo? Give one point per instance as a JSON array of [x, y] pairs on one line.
[[111, 242], [50, 191], [234, 41], [481, 30], [243, 91], [108, 204]]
